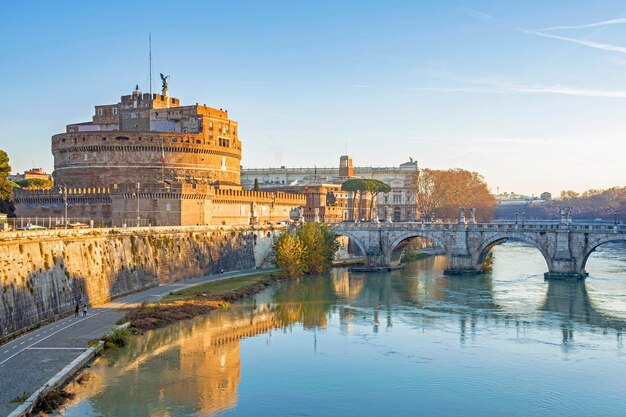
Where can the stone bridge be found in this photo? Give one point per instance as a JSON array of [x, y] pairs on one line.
[[564, 244]]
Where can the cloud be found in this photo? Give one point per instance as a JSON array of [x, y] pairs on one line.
[[583, 42], [618, 21], [477, 14], [528, 89]]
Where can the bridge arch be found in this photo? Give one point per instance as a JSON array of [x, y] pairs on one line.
[[352, 237], [498, 239], [593, 245], [399, 243]]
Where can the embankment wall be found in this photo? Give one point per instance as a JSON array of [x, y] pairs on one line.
[[44, 274]]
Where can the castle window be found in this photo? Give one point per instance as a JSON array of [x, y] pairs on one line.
[[114, 111], [223, 163], [100, 112]]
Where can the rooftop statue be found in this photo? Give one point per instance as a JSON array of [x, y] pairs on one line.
[[164, 79]]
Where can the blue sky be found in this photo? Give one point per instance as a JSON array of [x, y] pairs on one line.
[[532, 94]]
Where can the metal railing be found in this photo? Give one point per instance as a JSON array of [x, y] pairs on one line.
[[23, 223]]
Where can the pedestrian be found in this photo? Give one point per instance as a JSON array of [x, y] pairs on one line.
[[76, 310], [85, 310]]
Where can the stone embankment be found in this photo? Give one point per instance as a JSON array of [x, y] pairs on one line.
[[44, 274]]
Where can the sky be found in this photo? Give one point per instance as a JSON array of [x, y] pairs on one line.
[[531, 94]]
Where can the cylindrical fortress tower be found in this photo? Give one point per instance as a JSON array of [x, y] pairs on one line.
[[147, 138], [99, 159]]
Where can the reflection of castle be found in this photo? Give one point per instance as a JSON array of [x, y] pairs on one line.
[[149, 160]]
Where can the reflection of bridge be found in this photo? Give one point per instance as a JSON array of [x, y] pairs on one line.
[[565, 246]]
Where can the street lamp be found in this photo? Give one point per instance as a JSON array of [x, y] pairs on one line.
[[616, 217], [523, 217], [516, 217]]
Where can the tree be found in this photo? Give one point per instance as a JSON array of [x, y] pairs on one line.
[[6, 186], [5, 168], [36, 184], [376, 187], [566, 194], [256, 184], [320, 245], [354, 185], [423, 182], [289, 253], [363, 187], [440, 193], [310, 250]]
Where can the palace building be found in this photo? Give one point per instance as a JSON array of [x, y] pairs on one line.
[[148, 159]]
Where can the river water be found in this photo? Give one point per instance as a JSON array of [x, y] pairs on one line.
[[402, 343]]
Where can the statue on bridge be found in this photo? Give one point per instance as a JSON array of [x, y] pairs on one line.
[[566, 214], [388, 215]]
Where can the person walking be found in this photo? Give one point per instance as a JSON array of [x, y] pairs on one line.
[[85, 310], [76, 310]]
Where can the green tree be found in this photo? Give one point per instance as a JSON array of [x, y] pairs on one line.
[[320, 245], [289, 254], [310, 250], [5, 168], [36, 184], [6, 186], [376, 187]]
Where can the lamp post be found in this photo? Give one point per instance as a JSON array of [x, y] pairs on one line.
[[516, 217], [523, 217], [616, 214]]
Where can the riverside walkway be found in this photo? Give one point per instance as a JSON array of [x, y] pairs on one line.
[[28, 362]]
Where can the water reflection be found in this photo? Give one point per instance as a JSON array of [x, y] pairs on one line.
[[198, 368]]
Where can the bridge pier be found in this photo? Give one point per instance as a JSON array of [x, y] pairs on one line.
[[462, 265], [565, 276]]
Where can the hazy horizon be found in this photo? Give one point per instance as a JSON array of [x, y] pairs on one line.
[[528, 94]]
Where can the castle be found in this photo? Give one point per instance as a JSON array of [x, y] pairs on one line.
[[147, 160]]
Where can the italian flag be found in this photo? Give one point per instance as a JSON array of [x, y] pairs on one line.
[[162, 154]]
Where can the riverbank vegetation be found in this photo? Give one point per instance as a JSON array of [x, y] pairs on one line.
[[6, 186], [308, 250], [609, 204], [197, 300], [440, 193]]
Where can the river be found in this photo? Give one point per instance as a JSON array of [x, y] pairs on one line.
[[403, 343]]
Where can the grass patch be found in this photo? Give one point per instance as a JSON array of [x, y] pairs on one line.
[[116, 339], [197, 300], [217, 288]]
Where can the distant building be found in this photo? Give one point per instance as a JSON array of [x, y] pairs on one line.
[[326, 203], [546, 196], [400, 204], [33, 173]]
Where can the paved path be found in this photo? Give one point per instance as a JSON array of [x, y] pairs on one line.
[[31, 360]]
